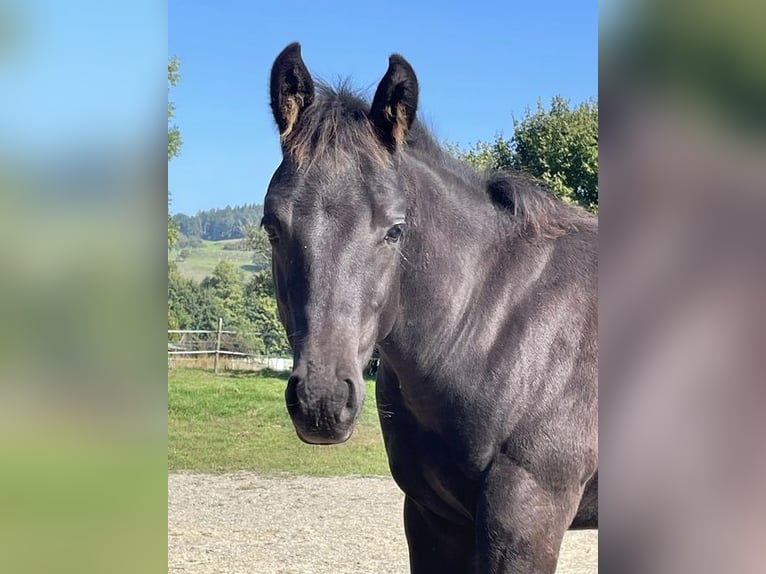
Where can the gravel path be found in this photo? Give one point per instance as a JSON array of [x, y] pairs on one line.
[[242, 523]]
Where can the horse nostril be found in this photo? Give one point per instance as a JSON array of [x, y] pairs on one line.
[[351, 400], [291, 392]]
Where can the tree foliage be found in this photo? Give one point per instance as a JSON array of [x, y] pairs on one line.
[[263, 314], [174, 134], [561, 147], [216, 224], [189, 305], [249, 308], [174, 141], [257, 241], [558, 145]]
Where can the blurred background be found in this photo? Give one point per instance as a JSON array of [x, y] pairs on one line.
[[82, 267], [682, 282]]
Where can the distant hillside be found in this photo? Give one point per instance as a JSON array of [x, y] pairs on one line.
[[197, 262], [217, 224]]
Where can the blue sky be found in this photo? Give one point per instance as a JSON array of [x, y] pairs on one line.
[[478, 64], [80, 75]]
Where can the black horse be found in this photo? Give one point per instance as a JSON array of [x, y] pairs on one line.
[[479, 291]]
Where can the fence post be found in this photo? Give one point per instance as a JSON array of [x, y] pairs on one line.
[[218, 345]]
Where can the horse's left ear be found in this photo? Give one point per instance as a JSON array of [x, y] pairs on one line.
[[395, 102]]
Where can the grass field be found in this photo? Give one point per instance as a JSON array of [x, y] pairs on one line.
[[238, 421], [201, 261]]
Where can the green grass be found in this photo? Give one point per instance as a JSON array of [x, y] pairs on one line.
[[202, 260], [238, 421]]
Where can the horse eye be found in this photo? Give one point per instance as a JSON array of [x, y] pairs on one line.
[[271, 233], [268, 225], [395, 233]]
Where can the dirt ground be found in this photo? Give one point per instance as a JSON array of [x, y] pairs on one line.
[[238, 523]]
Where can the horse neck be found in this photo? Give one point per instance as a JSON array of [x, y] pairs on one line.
[[452, 231]]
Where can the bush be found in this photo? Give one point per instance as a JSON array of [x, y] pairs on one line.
[[236, 246], [185, 241]]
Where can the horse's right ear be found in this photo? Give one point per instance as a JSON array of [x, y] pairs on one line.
[[395, 102], [292, 88]]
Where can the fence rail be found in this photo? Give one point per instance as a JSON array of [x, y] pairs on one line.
[[213, 352], [197, 331], [185, 344], [220, 343]]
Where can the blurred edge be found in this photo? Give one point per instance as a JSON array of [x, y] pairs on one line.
[[82, 275], [682, 285]]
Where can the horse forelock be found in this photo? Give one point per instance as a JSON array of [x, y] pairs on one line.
[[336, 125]]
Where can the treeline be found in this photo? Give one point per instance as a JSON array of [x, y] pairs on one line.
[[247, 307], [216, 224]]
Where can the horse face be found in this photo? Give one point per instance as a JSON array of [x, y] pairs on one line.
[[335, 214], [335, 260]]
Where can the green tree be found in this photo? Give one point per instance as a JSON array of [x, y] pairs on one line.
[[257, 241], [250, 309], [215, 224], [174, 141], [262, 312], [559, 145], [228, 289], [174, 134], [190, 306], [486, 156]]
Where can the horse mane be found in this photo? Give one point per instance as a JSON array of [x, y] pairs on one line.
[[536, 212], [337, 123]]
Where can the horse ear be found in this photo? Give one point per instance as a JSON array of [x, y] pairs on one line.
[[292, 88], [395, 102]]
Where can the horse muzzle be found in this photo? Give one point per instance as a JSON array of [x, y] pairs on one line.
[[324, 412]]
